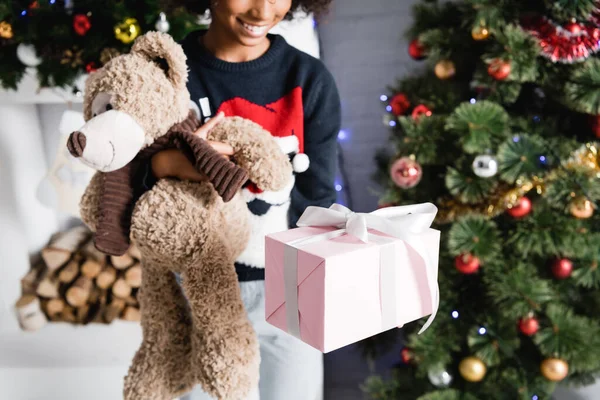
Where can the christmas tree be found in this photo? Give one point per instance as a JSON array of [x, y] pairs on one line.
[[65, 39], [499, 132]]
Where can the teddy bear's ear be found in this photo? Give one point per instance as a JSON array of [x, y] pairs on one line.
[[166, 53]]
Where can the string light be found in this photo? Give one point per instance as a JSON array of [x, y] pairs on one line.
[[52, 1], [534, 397], [473, 101], [536, 118], [482, 331], [516, 139], [455, 314], [383, 97], [543, 160], [23, 13], [338, 187], [342, 135], [389, 108], [392, 123]]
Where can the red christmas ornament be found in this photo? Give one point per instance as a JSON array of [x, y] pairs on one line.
[[521, 209], [565, 44], [562, 268], [400, 104], [595, 123], [421, 110], [529, 326], [90, 67], [574, 28], [416, 50], [467, 263], [81, 24], [406, 355], [406, 172], [499, 69]]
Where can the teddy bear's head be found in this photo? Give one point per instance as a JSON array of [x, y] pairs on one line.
[[132, 100]]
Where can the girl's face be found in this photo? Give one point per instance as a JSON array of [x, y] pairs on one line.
[[249, 21]]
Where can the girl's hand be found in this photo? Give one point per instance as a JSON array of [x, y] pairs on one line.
[[172, 163]]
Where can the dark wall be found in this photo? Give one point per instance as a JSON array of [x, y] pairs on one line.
[[363, 46]]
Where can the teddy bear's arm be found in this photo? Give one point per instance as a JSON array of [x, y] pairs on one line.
[[90, 202], [256, 151]]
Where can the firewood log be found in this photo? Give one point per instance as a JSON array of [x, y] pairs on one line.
[[106, 277], [54, 308], [91, 269], [131, 314], [79, 292], [69, 272], [121, 289], [114, 310], [90, 252], [29, 312], [133, 276], [63, 245], [121, 262], [48, 286]]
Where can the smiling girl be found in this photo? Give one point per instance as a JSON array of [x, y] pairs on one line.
[[238, 69]]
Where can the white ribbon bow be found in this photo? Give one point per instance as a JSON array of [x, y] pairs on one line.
[[401, 222]]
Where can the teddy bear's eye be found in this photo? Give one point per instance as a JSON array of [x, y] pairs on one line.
[[109, 107]]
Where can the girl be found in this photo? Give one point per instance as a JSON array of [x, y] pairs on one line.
[[238, 69]]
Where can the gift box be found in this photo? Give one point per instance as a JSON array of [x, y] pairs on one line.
[[342, 276]]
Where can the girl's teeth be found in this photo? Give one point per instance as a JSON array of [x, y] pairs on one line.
[[255, 29]]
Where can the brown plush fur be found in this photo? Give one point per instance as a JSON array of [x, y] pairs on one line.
[[183, 227]]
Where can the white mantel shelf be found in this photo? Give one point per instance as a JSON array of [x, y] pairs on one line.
[[29, 92]]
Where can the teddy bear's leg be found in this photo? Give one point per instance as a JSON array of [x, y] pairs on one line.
[[225, 352], [160, 369]]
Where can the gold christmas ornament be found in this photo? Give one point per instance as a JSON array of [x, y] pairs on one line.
[[128, 30], [6, 31], [73, 58], [581, 208], [554, 369], [480, 33], [108, 54], [445, 69], [472, 369], [586, 156]]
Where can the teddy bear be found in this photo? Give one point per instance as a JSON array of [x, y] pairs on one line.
[[136, 105]]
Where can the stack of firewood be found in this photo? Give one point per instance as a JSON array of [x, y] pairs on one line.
[[74, 282]]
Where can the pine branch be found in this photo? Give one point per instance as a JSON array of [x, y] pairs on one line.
[[570, 337], [521, 50], [565, 10], [493, 341], [481, 125], [475, 235], [468, 189], [522, 156], [421, 137], [517, 290], [582, 90], [536, 234]]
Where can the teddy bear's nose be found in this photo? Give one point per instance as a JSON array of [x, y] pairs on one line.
[[76, 144]]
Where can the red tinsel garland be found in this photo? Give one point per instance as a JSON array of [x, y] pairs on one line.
[[565, 44]]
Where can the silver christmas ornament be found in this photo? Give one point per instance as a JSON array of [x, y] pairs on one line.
[[162, 25], [485, 166], [439, 377], [27, 55]]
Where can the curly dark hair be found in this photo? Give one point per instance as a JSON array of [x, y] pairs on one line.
[[317, 7]]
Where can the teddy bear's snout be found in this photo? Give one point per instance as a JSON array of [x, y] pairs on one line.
[[76, 144]]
